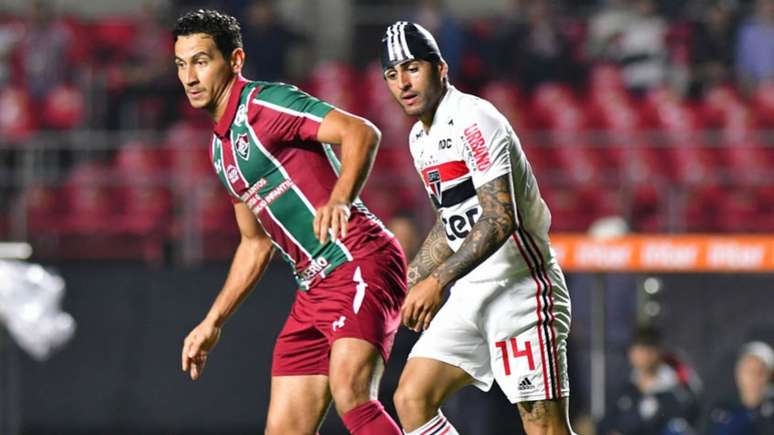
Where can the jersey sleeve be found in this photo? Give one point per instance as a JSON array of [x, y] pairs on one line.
[[486, 146], [289, 112]]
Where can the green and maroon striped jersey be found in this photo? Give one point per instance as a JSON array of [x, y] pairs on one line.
[[265, 151]]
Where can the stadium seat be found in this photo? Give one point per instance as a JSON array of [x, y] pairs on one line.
[[44, 210], [686, 156], [91, 207], [648, 208], [333, 82], [113, 37], [63, 108], [507, 98], [144, 198], [763, 103], [702, 207]]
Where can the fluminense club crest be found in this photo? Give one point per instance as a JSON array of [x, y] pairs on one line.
[[242, 145], [434, 181]]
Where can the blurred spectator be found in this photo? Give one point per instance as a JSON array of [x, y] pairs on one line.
[[606, 27], [43, 51], [449, 34], [634, 36], [535, 50], [655, 401], [143, 83], [752, 412], [713, 46], [755, 46], [271, 42]]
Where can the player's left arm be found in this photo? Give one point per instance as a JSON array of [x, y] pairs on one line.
[[359, 140], [493, 228]]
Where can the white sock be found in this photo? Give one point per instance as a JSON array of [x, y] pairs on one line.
[[437, 425]]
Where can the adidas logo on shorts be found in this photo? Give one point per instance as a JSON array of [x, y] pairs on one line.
[[526, 385]]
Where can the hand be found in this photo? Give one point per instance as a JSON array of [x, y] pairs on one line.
[[197, 345], [332, 216], [421, 304]]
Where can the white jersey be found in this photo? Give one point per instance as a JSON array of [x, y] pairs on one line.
[[470, 143]]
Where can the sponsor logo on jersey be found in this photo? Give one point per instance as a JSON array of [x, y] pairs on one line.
[[256, 203], [477, 143], [434, 181], [526, 385], [241, 116], [243, 147], [315, 266], [232, 174]]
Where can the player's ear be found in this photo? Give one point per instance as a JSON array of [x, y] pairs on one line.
[[443, 69], [237, 60]]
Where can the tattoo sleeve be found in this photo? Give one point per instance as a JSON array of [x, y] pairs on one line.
[[433, 252], [496, 224]]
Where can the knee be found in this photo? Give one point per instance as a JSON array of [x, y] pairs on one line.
[[410, 400], [348, 393]]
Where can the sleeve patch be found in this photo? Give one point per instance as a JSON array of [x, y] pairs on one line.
[[477, 144]]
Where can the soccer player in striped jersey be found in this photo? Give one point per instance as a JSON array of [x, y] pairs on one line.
[[270, 149], [508, 312]]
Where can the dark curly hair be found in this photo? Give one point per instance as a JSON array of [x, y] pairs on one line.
[[223, 28]]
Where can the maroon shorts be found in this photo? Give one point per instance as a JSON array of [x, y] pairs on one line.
[[360, 299]]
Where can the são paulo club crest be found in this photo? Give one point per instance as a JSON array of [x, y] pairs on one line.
[[434, 181], [242, 145]]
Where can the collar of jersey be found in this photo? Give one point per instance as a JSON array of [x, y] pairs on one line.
[[233, 102], [441, 113]]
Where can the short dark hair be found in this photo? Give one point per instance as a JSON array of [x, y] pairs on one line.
[[647, 336], [223, 28]]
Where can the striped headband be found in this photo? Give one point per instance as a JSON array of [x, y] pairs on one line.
[[404, 41]]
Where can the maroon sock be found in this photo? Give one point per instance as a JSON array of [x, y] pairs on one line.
[[370, 418]]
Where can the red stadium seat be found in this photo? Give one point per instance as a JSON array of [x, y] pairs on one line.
[[63, 108], [44, 210], [113, 37], [91, 207], [702, 209], [507, 99], [333, 82], [763, 102], [739, 209], [187, 151], [648, 209], [687, 158], [144, 198]]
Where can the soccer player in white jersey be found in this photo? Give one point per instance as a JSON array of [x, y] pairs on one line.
[[508, 312]]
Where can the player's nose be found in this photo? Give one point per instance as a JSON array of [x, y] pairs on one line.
[[404, 82], [190, 76]]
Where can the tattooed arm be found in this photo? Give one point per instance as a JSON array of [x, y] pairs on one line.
[[496, 224], [432, 253]]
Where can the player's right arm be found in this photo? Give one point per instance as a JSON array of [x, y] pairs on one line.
[[250, 260]]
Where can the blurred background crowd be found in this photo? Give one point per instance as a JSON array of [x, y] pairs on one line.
[[657, 112]]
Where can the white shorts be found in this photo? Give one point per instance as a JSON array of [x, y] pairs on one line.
[[512, 330]]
